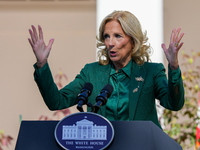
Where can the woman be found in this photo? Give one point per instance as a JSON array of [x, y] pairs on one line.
[[123, 63]]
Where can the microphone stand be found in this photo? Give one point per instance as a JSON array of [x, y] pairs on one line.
[[80, 108]]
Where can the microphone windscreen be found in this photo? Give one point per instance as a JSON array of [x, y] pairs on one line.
[[109, 88], [88, 86]]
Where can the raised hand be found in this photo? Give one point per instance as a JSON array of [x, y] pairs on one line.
[[40, 50], [172, 52]]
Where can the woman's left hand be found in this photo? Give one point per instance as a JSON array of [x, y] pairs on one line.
[[172, 52]]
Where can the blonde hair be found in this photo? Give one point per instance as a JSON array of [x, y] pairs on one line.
[[131, 27]]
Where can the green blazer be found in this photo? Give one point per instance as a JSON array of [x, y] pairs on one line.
[[141, 100]]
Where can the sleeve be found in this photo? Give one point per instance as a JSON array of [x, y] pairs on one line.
[[38, 72], [174, 75], [170, 92], [58, 99]]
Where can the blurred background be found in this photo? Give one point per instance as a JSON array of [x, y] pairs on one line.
[[74, 26]]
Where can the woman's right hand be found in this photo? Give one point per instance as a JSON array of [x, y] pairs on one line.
[[40, 50]]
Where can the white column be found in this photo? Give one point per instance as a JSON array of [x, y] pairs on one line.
[[148, 12]]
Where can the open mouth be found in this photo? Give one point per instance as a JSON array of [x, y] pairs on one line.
[[112, 53]]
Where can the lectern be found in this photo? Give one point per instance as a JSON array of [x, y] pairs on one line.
[[129, 135]]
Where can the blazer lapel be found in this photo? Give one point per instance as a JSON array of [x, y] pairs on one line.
[[138, 76], [103, 72]]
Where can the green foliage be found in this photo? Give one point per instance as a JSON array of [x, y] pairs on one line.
[[5, 140], [181, 125]]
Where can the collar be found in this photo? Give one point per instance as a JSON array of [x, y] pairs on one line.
[[126, 70]]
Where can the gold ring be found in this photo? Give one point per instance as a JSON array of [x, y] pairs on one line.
[[176, 44]]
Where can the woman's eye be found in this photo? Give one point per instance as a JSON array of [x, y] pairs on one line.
[[106, 36], [118, 36]]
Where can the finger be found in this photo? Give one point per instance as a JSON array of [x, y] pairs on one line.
[[172, 36], [164, 47], [40, 32], [180, 45], [176, 34], [179, 39], [35, 33], [32, 36], [30, 41], [50, 43]]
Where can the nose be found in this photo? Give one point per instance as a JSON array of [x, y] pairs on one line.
[[111, 43]]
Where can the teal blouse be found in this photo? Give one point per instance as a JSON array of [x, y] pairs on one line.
[[117, 105]]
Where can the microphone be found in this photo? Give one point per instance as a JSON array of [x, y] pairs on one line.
[[101, 99], [83, 96]]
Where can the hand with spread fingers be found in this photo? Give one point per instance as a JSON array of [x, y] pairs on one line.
[[174, 46], [40, 50]]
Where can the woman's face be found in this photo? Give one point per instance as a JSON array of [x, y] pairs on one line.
[[118, 44]]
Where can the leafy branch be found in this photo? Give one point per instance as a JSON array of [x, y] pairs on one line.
[[182, 125], [5, 140]]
